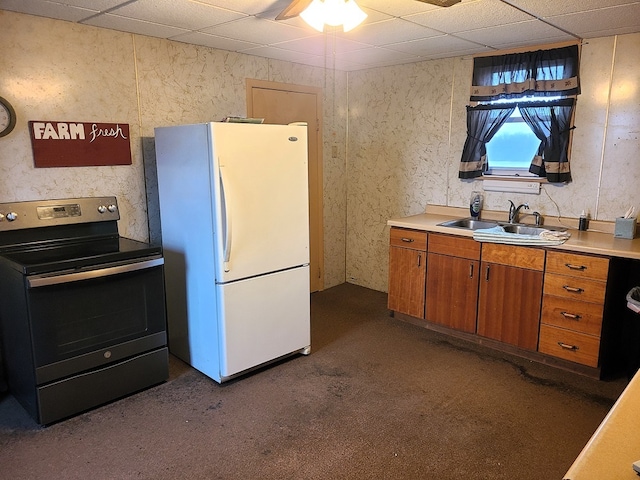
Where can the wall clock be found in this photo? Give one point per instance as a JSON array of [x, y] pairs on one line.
[[7, 117]]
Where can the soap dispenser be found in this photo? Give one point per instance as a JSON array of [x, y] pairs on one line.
[[475, 204], [583, 221]]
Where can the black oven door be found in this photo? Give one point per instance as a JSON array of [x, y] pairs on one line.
[[85, 319]]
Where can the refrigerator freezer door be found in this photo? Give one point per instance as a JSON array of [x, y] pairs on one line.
[[262, 213], [262, 319]]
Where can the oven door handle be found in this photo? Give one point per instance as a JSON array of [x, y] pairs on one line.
[[45, 281]]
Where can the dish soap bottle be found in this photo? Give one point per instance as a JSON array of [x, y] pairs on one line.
[[475, 204], [583, 221]]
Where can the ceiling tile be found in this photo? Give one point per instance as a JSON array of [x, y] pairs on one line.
[[252, 29], [213, 41], [280, 54], [123, 24], [47, 9], [389, 31], [249, 7], [373, 55], [532, 32], [396, 8], [436, 46], [182, 14], [470, 16], [320, 44], [588, 24], [546, 8]]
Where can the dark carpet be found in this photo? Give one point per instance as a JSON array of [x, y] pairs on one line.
[[376, 399]]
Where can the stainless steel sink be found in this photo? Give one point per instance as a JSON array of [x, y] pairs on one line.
[[518, 228], [528, 229], [469, 223], [523, 229]]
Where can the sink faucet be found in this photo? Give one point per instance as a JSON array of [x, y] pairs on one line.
[[515, 211]]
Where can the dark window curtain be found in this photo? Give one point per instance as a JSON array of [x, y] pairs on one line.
[[551, 123], [541, 73], [483, 122]]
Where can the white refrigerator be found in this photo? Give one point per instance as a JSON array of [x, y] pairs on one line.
[[235, 235]]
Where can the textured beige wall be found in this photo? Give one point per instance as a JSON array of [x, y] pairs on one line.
[[55, 70], [407, 127]]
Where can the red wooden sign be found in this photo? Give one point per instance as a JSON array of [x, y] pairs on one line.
[[77, 144]]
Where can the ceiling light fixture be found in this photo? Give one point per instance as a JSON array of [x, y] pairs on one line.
[[334, 13]]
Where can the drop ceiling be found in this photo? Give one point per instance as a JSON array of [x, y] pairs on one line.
[[395, 31]]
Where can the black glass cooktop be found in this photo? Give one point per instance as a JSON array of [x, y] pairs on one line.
[[76, 255]]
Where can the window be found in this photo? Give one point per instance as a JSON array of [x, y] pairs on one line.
[[522, 124], [510, 151]]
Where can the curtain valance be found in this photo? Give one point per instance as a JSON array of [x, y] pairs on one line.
[[541, 73]]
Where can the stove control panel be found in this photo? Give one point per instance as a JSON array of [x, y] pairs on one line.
[[20, 215], [58, 211]]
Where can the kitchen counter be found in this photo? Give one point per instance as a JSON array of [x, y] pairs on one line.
[[615, 445], [600, 242]]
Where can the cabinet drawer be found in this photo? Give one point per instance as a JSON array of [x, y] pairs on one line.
[[569, 345], [582, 289], [572, 314], [596, 268], [513, 256], [404, 238], [454, 246]]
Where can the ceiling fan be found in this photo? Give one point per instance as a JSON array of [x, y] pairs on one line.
[[296, 7]]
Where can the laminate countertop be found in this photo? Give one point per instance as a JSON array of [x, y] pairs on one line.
[[598, 240], [615, 445]]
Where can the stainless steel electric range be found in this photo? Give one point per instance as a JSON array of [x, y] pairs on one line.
[[82, 316]]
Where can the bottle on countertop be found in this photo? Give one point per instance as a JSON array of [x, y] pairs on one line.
[[475, 203], [583, 221]]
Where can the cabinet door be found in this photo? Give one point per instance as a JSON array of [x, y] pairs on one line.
[[509, 304], [407, 272], [452, 292]]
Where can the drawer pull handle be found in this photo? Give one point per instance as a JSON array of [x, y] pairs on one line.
[[566, 346], [407, 240], [575, 267], [419, 259], [471, 270], [572, 289], [572, 316]]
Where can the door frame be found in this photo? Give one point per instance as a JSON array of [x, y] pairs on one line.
[[319, 211]]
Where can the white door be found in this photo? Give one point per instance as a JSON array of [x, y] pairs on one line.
[[262, 216], [262, 319]]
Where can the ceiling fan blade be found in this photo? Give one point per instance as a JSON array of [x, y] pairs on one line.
[[295, 8], [441, 3]]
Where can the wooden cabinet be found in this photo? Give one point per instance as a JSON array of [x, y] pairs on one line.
[[511, 294], [573, 305], [407, 271], [452, 282], [548, 303]]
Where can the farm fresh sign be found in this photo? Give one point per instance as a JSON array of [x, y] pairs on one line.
[[74, 144]]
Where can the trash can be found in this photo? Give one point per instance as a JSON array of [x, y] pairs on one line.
[[632, 337]]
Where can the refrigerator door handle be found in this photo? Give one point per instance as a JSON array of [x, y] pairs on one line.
[[226, 222]]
